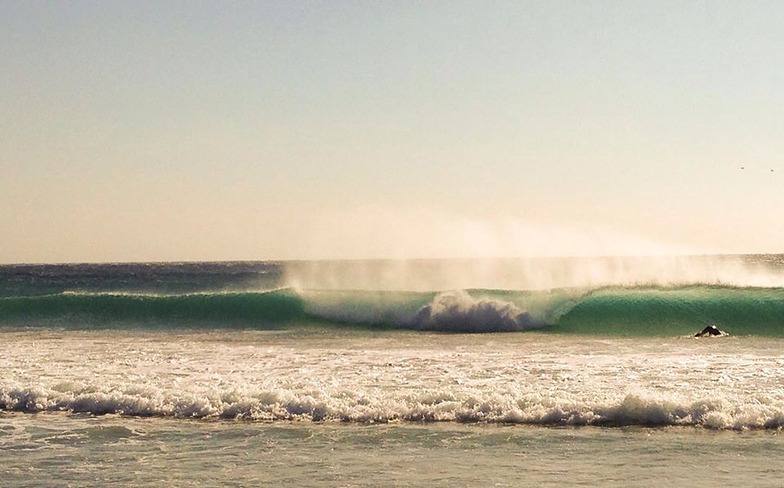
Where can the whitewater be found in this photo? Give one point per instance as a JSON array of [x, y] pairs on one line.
[[367, 373]]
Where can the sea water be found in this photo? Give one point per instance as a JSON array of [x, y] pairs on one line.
[[548, 372]]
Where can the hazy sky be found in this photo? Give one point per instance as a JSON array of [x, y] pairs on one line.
[[265, 130]]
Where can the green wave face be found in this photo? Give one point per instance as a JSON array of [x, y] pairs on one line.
[[609, 311], [257, 309], [673, 311]]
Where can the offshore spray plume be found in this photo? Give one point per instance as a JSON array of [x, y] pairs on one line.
[[383, 249]]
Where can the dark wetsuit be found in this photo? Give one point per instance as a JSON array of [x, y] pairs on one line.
[[710, 330]]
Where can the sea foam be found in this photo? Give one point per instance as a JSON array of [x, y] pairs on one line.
[[458, 311], [375, 407]]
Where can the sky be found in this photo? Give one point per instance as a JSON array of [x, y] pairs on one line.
[[181, 131]]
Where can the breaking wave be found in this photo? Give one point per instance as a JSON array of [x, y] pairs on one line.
[[628, 310], [437, 406], [460, 312]]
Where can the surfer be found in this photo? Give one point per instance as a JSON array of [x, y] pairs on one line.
[[710, 330]]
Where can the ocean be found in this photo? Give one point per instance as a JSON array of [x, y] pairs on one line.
[[494, 372]]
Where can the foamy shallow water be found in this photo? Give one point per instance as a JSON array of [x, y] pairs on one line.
[[358, 376], [308, 407]]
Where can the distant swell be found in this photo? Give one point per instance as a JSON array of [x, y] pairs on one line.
[[633, 310]]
